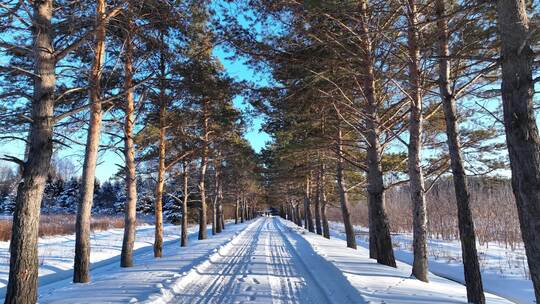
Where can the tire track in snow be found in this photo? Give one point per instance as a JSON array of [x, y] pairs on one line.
[[217, 280], [326, 278], [281, 275], [257, 266]]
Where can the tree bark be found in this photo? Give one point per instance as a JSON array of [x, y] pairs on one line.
[[293, 213], [298, 216], [307, 205], [81, 272], [23, 267], [343, 197], [416, 175], [242, 209], [324, 218], [522, 137], [305, 213], [185, 197], [203, 234], [379, 230], [245, 210], [126, 258], [288, 211], [221, 215], [236, 211], [158, 205], [318, 194], [473, 279], [214, 214], [216, 228]]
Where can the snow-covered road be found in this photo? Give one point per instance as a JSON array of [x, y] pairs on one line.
[[261, 266]]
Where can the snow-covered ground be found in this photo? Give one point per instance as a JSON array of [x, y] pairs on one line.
[[268, 260], [56, 253], [504, 271], [147, 281]]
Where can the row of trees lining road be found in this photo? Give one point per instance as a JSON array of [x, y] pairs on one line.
[[134, 78], [367, 95]]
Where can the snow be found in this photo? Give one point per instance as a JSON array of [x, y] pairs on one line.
[[56, 253], [148, 278], [268, 260], [504, 270], [381, 284], [261, 265]]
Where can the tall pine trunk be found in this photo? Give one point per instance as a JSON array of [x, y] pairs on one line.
[[471, 267], [324, 218], [23, 266], [219, 202], [380, 243], [81, 272], [342, 192], [242, 207], [416, 175], [298, 215], [522, 137], [130, 218], [218, 208], [307, 205], [221, 215], [185, 197], [318, 194], [245, 210], [158, 205], [160, 184], [236, 210], [214, 215], [322, 168], [203, 234]]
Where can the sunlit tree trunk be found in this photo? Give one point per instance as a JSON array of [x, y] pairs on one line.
[[23, 266], [185, 197], [126, 259], [416, 175], [471, 267], [160, 184], [81, 272], [379, 228], [343, 196], [318, 195], [202, 172], [307, 205], [236, 210], [221, 215], [324, 218], [216, 221], [242, 209]]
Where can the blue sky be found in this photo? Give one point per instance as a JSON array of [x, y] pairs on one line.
[[241, 71]]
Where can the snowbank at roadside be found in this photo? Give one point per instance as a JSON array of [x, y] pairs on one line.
[[378, 283], [502, 268]]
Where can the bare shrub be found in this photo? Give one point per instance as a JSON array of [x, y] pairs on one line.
[[493, 207]]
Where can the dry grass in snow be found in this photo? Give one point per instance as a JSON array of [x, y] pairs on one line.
[[62, 224]]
